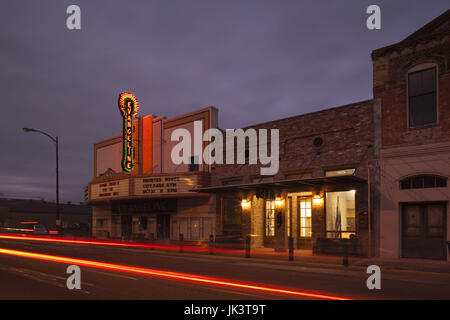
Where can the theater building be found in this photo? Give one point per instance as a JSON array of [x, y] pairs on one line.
[[153, 201], [412, 82]]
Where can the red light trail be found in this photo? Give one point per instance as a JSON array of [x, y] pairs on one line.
[[86, 241], [165, 274]]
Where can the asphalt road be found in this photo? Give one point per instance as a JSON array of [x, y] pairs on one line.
[[27, 278]]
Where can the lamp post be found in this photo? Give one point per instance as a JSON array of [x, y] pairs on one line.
[[55, 140]]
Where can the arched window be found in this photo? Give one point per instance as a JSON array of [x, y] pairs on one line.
[[423, 181]]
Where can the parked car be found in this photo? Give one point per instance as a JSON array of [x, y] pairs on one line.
[[40, 229]]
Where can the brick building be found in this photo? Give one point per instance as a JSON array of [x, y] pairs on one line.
[[411, 80], [320, 190], [24, 213], [397, 144]]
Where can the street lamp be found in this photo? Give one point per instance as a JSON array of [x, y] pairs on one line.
[[55, 140]]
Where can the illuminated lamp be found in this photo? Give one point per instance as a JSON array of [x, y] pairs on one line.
[[317, 200], [278, 202], [245, 204]]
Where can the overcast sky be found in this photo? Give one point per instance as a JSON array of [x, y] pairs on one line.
[[255, 61]]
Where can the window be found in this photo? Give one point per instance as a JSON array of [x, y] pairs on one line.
[[143, 223], [422, 108], [195, 229], [231, 182], [208, 228], [270, 218], [183, 224], [101, 223], [340, 214], [193, 166], [340, 172], [232, 216], [305, 217], [423, 181], [174, 229]]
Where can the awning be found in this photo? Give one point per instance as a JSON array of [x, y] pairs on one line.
[[309, 183]]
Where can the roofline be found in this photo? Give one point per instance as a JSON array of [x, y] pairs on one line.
[[311, 113], [413, 37]]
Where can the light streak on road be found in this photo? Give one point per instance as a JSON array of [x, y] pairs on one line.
[[167, 274], [85, 241]]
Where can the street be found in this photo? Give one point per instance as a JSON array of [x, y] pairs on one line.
[[30, 278]]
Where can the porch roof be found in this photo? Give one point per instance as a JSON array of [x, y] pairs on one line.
[[312, 183]]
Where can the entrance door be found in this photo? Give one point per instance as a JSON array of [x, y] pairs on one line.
[[126, 223], [162, 226], [424, 231], [304, 210]]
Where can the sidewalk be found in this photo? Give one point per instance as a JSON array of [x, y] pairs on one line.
[[306, 259]]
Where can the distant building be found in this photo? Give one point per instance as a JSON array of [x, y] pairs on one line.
[[14, 212]]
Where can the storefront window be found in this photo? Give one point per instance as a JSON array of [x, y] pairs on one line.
[[305, 217], [232, 216], [340, 214], [143, 223], [270, 218], [195, 229]]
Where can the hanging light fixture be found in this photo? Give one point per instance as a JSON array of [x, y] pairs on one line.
[[245, 204], [317, 200]]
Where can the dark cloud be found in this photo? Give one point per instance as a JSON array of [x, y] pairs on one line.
[[255, 60]]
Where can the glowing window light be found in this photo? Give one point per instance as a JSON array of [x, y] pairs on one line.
[[129, 107]]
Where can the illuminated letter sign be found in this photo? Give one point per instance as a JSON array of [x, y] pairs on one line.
[[128, 106]]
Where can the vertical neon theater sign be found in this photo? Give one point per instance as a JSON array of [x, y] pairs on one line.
[[128, 106]]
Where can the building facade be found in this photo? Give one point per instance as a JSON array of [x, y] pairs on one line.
[[154, 201], [371, 176], [319, 192], [25, 213], [412, 83]]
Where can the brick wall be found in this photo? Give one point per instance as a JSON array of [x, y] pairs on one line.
[[347, 132], [390, 68]]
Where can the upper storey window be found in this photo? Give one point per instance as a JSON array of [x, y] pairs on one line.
[[422, 97]]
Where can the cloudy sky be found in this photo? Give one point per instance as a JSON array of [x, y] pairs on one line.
[[255, 60]]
